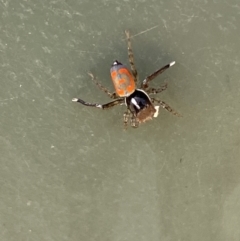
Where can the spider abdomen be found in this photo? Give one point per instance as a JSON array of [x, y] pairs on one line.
[[123, 80]]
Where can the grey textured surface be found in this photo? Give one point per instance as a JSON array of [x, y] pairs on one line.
[[69, 172]]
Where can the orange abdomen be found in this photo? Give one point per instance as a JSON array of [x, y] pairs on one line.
[[122, 79]]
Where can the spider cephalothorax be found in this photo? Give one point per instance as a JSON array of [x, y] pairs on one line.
[[140, 106]]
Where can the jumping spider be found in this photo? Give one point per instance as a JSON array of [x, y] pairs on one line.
[[139, 104]]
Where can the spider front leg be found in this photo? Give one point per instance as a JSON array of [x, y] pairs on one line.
[[130, 56], [104, 106], [166, 106], [126, 117], [155, 74], [101, 87], [156, 91], [134, 122]]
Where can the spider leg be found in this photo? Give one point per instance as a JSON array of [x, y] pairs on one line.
[[158, 90], [130, 56], [155, 74], [104, 106], [166, 106], [134, 121], [101, 87], [126, 117]]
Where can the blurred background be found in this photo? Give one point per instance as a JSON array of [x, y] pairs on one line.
[[69, 172]]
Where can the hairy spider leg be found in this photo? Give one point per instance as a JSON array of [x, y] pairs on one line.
[[155, 74], [133, 120], [166, 106], [104, 89], [104, 106], [156, 91], [130, 56], [126, 117]]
